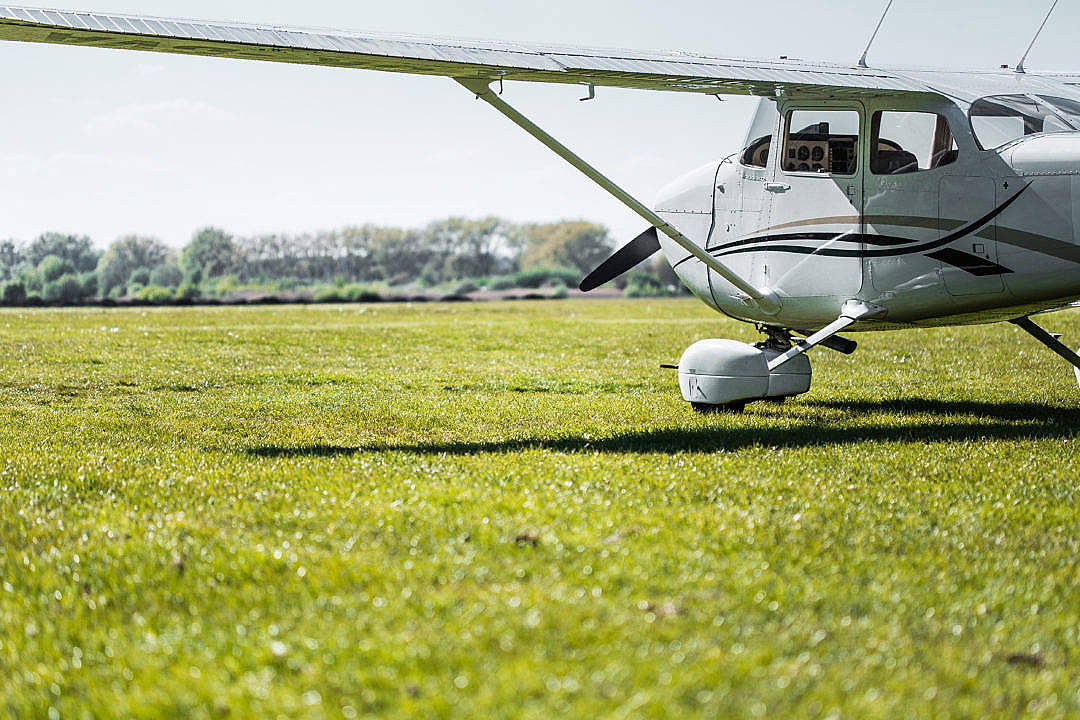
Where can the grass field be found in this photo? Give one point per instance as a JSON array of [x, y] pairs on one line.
[[506, 510]]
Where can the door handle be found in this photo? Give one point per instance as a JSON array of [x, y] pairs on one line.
[[777, 187]]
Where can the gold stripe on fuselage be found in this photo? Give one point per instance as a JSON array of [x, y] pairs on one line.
[[896, 220]]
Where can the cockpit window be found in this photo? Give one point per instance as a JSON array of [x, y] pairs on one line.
[[822, 141], [1001, 119], [906, 142], [757, 155], [758, 145]]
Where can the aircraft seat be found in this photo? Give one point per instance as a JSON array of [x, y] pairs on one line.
[[895, 162]]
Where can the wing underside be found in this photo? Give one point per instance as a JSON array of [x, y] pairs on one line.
[[671, 71]]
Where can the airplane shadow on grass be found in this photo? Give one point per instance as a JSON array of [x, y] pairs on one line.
[[914, 420]]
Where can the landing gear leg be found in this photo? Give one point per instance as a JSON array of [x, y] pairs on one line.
[[1051, 341], [853, 311]]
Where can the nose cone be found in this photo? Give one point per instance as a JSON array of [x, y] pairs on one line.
[[1055, 154]]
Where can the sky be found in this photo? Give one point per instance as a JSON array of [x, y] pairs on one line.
[[108, 143]]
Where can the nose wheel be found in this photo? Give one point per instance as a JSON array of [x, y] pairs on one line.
[[722, 376], [730, 409]]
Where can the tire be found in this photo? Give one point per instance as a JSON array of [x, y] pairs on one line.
[[705, 409]]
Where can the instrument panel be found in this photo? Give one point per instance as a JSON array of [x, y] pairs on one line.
[[833, 155]]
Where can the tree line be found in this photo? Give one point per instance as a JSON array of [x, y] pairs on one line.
[[455, 255]]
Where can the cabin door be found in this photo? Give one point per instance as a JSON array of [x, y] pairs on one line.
[[912, 153], [969, 265], [813, 245]]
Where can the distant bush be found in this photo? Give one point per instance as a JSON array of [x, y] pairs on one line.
[[155, 294], [545, 276], [13, 293], [287, 284], [67, 289], [133, 289], [89, 282], [329, 295], [561, 292], [644, 285], [52, 268], [139, 277], [188, 293], [362, 293], [226, 286], [354, 292], [168, 276], [502, 283], [465, 287]]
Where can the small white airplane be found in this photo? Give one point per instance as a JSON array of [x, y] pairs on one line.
[[863, 198]]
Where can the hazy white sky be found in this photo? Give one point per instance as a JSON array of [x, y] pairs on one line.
[[109, 142]]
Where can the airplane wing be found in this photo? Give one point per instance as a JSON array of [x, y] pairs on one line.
[[674, 71], [1072, 79]]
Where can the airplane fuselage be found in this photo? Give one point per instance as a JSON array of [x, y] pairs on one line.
[[894, 200]]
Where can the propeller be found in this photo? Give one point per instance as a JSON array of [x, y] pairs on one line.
[[628, 257]]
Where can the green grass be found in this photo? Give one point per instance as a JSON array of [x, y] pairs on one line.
[[506, 510]]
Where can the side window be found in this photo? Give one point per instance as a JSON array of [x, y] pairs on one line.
[[907, 142], [757, 155], [822, 141]]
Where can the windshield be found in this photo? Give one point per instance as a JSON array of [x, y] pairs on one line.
[[759, 138], [1068, 109], [1001, 119]]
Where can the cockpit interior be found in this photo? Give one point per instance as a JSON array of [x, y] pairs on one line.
[[816, 149]]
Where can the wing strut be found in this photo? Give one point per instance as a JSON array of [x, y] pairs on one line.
[[765, 299], [1051, 341]]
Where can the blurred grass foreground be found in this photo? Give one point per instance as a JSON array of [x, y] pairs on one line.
[[506, 510]]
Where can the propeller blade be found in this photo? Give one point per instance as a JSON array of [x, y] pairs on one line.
[[628, 257]]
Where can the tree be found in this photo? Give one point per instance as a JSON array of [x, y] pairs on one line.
[[127, 255], [53, 267], [470, 248], [400, 251], [212, 252], [9, 258], [76, 249], [576, 245], [67, 289], [89, 282], [140, 276], [27, 274], [13, 293], [167, 276]]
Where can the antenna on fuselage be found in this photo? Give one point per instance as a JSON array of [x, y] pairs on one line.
[[1020, 65], [862, 60]]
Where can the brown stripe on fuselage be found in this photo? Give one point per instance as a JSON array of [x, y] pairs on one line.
[[1039, 243], [896, 220]]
